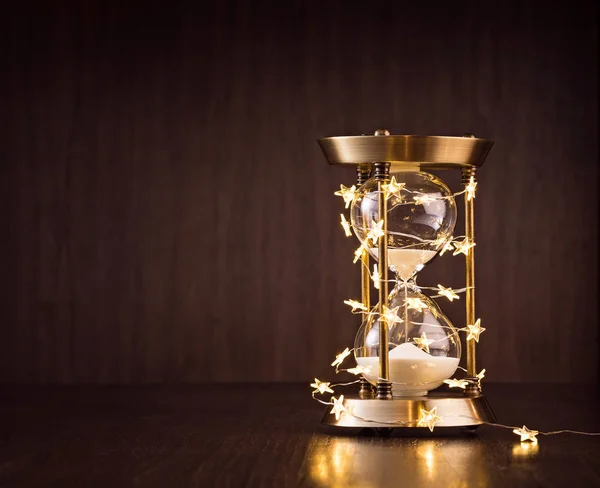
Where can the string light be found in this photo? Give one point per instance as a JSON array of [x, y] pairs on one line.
[[423, 343], [346, 226], [423, 199], [338, 406], [479, 377], [339, 359], [449, 293], [447, 247], [393, 188], [454, 383], [415, 304], [376, 232], [376, 277], [359, 370], [470, 188], [321, 386], [359, 253], [428, 418], [474, 330], [526, 434], [347, 194], [390, 316], [463, 246], [356, 305]]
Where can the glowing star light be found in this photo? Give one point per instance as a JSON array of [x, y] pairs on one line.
[[321, 387], [390, 316], [423, 199], [346, 226], [347, 194], [470, 188], [526, 434], [393, 188], [416, 304], [359, 370], [475, 330], [339, 359], [358, 253], [422, 342], [428, 418], [375, 277], [356, 305], [447, 247], [463, 247], [454, 383], [338, 406], [376, 232], [448, 293], [479, 377]]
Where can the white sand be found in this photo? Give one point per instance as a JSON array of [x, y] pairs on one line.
[[409, 364], [406, 262]]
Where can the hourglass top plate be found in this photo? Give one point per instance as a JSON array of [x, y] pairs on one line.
[[430, 152]]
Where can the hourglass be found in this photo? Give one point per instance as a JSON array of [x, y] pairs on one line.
[[404, 216]]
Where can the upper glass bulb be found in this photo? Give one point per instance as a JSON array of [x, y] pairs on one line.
[[421, 216]]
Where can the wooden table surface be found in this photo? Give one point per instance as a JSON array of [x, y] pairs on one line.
[[269, 435]]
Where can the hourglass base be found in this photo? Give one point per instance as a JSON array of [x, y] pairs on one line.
[[453, 410]]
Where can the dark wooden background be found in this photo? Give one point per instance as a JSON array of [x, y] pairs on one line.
[[168, 215]]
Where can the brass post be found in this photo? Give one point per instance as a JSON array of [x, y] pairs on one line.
[[467, 173], [384, 386]]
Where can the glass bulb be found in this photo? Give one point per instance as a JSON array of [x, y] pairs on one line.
[[420, 219], [424, 346]]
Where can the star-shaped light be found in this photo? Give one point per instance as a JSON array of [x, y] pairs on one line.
[[447, 247], [423, 199], [448, 293], [376, 232], [359, 253], [339, 359], [454, 383], [375, 277], [470, 188], [526, 434], [479, 377], [346, 226], [359, 370], [422, 342], [356, 305], [338, 406], [321, 386], [347, 194], [393, 188], [390, 316], [463, 246], [416, 304], [475, 330], [428, 418]]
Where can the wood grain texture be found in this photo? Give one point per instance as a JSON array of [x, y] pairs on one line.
[[257, 435], [169, 215]]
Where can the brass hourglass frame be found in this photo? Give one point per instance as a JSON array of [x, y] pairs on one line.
[[373, 156]]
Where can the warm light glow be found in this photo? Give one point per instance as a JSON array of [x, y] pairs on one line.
[[393, 188], [463, 247], [359, 370], [376, 232], [454, 383], [390, 316], [475, 331], [376, 277], [479, 377], [346, 226], [449, 293], [339, 359], [321, 387], [526, 434], [338, 406], [470, 188], [416, 304], [422, 342], [359, 253], [347, 194], [447, 247], [525, 449], [428, 418], [423, 199], [356, 305]]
